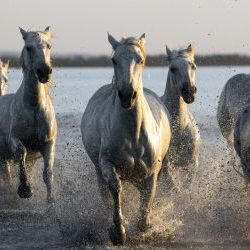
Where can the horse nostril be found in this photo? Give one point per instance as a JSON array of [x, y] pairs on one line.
[[134, 95], [184, 90], [120, 94]]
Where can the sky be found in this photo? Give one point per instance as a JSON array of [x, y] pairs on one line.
[[81, 26]]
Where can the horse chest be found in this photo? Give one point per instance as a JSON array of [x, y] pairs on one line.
[[136, 159], [34, 130]]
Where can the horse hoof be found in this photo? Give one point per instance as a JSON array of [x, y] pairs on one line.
[[117, 235], [24, 192], [144, 225]]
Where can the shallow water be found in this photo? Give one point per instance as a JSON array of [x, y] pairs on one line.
[[215, 215], [74, 86]]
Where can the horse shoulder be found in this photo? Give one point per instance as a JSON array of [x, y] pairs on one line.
[[157, 107], [96, 118]]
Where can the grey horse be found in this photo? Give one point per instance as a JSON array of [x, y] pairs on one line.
[[180, 90], [234, 98], [126, 133], [28, 127], [233, 118], [242, 142], [4, 66]]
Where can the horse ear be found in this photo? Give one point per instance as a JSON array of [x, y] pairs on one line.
[[114, 43], [47, 29], [142, 39], [23, 32], [190, 49], [47, 32], [169, 53]]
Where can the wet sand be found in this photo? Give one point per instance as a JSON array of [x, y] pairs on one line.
[[214, 215]]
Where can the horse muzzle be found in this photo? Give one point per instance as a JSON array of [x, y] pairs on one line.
[[127, 99], [44, 73], [188, 94]]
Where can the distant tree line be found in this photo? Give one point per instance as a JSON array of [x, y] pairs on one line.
[[152, 60]]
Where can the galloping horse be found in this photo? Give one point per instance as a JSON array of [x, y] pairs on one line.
[[180, 90], [126, 133], [3, 76], [28, 127], [234, 98], [233, 118]]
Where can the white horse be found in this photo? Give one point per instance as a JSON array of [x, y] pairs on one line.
[[28, 127], [233, 118], [4, 66], [126, 133], [180, 90]]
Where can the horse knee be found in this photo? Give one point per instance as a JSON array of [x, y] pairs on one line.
[[18, 149]]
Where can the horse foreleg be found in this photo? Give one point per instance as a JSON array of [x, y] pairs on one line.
[[117, 231], [147, 192], [20, 152], [103, 188], [49, 156]]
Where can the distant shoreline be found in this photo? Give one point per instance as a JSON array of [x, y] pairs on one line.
[[151, 61]]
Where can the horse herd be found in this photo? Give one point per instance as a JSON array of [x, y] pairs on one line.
[[128, 131]]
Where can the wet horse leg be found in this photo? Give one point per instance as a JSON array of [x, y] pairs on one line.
[[20, 152], [117, 231], [147, 192], [48, 153], [103, 188]]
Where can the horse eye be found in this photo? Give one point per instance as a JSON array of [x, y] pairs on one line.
[[28, 48], [193, 66], [48, 46], [114, 62], [173, 69]]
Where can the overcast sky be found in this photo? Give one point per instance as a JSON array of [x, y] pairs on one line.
[[80, 26]]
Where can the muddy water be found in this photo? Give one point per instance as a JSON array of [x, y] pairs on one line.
[[214, 215]]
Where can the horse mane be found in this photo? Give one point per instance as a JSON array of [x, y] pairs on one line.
[[180, 53]]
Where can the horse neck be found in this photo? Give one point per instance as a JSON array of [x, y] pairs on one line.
[[175, 103], [34, 93], [132, 119]]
